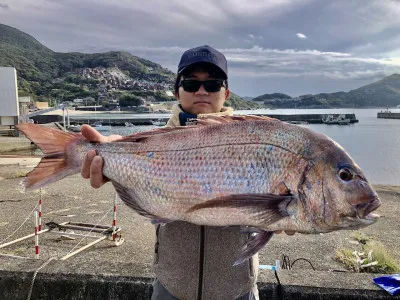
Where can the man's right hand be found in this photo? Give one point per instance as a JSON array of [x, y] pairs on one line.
[[93, 164]]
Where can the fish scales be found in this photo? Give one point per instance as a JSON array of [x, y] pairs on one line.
[[170, 182]]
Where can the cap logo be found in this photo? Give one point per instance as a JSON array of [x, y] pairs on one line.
[[201, 54]]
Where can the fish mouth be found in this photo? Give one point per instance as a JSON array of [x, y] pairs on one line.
[[364, 211]]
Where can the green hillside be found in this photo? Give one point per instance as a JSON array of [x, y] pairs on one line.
[[41, 70], [271, 97], [381, 93]]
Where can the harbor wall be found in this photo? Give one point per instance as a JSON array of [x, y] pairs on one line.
[[147, 120], [388, 115], [66, 285]]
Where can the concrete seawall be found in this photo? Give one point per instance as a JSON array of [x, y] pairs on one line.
[[8, 144], [388, 115], [58, 281], [146, 120]]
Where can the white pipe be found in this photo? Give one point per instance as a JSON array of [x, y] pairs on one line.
[[84, 248]]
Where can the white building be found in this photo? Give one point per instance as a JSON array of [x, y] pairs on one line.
[[9, 110]]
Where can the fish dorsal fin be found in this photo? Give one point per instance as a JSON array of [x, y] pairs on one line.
[[212, 120], [137, 137], [202, 121]]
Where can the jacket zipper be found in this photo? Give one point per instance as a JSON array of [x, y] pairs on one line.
[[251, 261], [157, 244], [200, 290]]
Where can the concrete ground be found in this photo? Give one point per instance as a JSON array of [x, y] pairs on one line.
[[72, 199]]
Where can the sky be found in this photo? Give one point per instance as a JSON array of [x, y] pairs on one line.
[[295, 47]]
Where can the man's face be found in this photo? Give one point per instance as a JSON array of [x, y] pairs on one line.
[[201, 101]]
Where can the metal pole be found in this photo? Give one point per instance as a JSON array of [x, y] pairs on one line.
[[40, 211], [68, 122], [64, 119], [36, 234], [114, 225]]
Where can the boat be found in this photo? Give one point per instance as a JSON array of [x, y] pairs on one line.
[[128, 124], [342, 120], [332, 120], [158, 122], [100, 127]]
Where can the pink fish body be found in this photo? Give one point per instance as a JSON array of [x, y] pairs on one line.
[[249, 171]]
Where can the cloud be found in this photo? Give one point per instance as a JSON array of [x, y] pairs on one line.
[[256, 36], [4, 6], [301, 36]]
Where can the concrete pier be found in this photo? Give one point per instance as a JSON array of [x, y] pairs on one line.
[[308, 118], [146, 119], [388, 115]]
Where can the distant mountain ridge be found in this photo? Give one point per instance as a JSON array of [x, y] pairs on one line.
[[385, 92]]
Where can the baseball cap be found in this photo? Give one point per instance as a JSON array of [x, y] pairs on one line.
[[203, 54]]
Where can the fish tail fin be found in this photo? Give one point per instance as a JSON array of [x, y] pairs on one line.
[[57, 162]]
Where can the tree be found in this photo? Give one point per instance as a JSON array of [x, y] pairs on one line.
[[130, 100]]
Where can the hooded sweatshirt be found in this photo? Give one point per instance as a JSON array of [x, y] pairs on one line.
[[196, 262]]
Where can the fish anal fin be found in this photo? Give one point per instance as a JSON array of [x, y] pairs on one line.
[[254, 245]]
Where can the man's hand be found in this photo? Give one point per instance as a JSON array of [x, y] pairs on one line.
[[93, 163]]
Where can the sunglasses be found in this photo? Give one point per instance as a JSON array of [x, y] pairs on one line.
[[211, 86]]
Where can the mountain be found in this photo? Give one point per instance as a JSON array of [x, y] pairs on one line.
[[237, 102], [385, 92], [41, 70], [271, 96], [381, 93], [51, 76]]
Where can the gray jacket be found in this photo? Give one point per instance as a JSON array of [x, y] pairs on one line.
[[196, 262]]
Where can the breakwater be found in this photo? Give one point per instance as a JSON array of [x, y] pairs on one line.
[[388, 115], [309, 118], [146, 119]]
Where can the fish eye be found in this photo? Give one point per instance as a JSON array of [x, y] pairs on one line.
[[345, 174]]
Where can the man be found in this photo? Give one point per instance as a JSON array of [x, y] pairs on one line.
[[191, 261]]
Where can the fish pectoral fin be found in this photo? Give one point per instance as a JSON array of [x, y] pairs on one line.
[[268, 208], [254, 245]]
